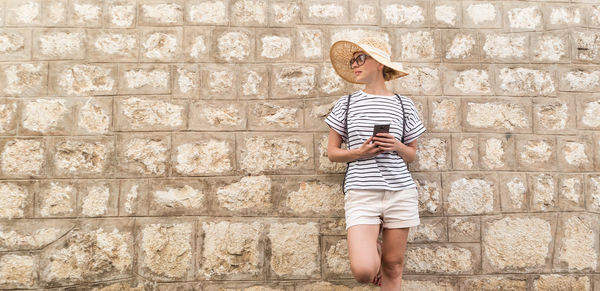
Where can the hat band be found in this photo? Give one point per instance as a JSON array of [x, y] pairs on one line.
[[376, 50]]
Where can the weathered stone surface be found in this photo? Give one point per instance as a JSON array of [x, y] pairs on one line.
[[161, 45], [225, 115], [445, 115], [482, 15], [552, 115], [102, 251], [543, 189], [143, 155], [85, 13], [324, 11], [23, 157], [497, 152], [133, 197], [150, 113], [550, 47], [233, 45], [16, 45], [336, 262], [300, 198], [278, 153], [94, 116], [424, 79], [524, 81], [177, 197], [249, 12], [57, 199], [186, 83], [536, 152], [533, 235], [587, 109], [460, 46], [165, 249], [294, 254], [144, 79], [19, 235], [570, 192], [82, 157], [446, 14], [219, 82], [558, 282], [464, 229], [499, 115], [284, 12], [504, 47], [209, 153], [495, 283], [514, 192], [585, 46], [405, 14], [59, 44], [46, 116], [592, 191], [575, 153], [232, 250], [577, 243], [17, 271], [447, 259], [98, 198], [465, 152], [293, 80], [120, 13], [161, 13], [324, 164], [462, 80], [113, 45], [24, 13], [580, 79], [419, 45], [280, 115], [433, 153], [252, 194], [430, 193], [24, 79], [470, 194], [430, 230]]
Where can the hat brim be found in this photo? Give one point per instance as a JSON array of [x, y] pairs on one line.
[[342, 51]]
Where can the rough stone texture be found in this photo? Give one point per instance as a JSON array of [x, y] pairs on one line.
[[195, 129]]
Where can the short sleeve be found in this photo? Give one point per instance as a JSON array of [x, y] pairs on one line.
[[414, 125], [337, 117]]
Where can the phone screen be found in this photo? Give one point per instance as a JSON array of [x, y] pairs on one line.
[[377, 128]]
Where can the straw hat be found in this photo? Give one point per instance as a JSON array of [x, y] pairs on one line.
[[342, 51]]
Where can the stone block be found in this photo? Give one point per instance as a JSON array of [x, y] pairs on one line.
[[571, 192], [248, 13], [207, 12], [161, 45], [233, 45], [16, 44], [120, 13], [144, 79], [298, 196], [186, 82], [364, 12], [284, 13], [433, 153], [497, 152], [275, 115], [150, 113], [477, 14], [461, 46], [579, 79], [71, 260], [554, 115], [592, 192], [418, 46], [324, 12], [468, 80], [23, 235], [500, 235], [245, 196], [160, 12], [23, 157], [429, 186], [543, 188], [143, 154], [86, 13], [575, 153], [293, 81], [113, 45], [464, 229], [18, 271], [560, 16], [309, 43], [20, 13], [336, 263], [587, 108], [56, 198], [504, 47], [445, 114], [424, 79], [468, 194], [550, 47], [496, 115], [330, 83], [98, 198], [82, 79], [465, 151], [515, 195], [24, 79], [577, 243], [315, 112], [203, 154], [445, 14], [536, 152], [253, 81], [231, 250], [324, 165], [332, 226], [8, 116], [240, 286], [523, 17], [414, 13], [197, 43], [431, 229], [133, 197], [459, 258], [494, 283], [81, 157], [585, 46], [294, 250], [555, 281], [274, 45], [222, 115], [219, 81], [593, 16], [166, 248], [275, 153], [93, 116], [177, 197], [17, 199], [59, 44]]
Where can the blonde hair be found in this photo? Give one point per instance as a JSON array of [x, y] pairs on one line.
[[388, 73]]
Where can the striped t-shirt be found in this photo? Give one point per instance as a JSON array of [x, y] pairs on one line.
[[387, 170]]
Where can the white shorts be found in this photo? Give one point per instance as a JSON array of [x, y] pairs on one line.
[[397, 209]]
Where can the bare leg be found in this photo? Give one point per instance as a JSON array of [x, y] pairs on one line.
[[394, 246], [362, 251]]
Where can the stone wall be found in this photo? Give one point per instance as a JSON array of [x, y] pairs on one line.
[[180, 144]]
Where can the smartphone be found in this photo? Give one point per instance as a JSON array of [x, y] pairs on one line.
[[378, 128]]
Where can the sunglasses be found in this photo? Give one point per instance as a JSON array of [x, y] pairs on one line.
[[360, 60]]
